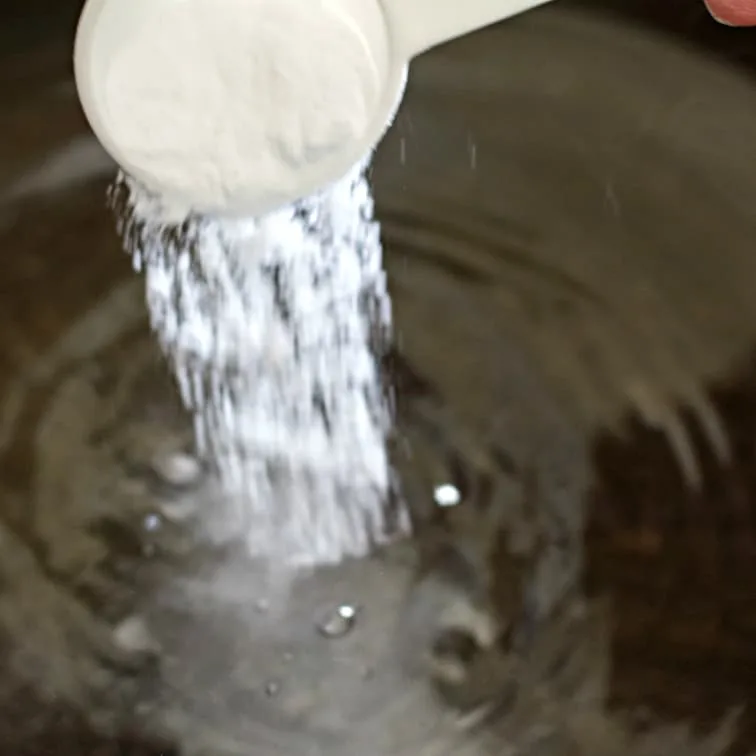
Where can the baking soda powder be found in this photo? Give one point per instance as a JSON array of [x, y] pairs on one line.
[[237, 89]]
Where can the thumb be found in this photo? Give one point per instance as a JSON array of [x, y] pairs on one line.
[[733, 12]]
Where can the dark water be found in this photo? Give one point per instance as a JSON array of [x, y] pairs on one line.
[[567, 216]]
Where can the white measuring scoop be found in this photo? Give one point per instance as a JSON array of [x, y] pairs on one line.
[[380, 36]]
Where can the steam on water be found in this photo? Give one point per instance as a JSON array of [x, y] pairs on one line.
[[274, 328]]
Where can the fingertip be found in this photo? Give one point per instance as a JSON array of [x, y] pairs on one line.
[[733, 12]]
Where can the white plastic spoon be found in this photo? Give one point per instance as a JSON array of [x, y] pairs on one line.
[[182, 120]]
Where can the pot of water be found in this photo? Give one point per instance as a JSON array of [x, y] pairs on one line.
[[483, 482]]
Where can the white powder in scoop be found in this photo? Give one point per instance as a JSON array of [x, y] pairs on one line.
[[215, 92]]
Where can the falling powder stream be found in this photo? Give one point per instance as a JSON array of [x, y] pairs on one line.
[[274, 328]]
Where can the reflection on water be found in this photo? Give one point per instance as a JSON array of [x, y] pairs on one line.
[[567, 219]]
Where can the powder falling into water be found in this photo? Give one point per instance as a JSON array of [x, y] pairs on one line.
[[274, 328]]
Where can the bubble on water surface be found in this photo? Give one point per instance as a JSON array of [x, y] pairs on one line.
[[340, 622]]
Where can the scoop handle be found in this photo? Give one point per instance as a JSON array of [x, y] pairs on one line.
[[418, 25]]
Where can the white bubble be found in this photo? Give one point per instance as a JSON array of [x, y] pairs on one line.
[[447, 495]]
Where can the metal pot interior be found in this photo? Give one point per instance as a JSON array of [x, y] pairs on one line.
[[566, 206]]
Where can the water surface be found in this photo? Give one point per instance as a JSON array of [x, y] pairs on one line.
[[567, 220]]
